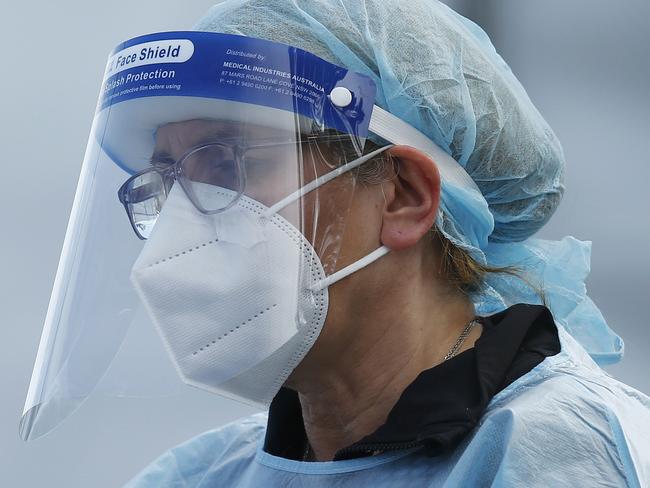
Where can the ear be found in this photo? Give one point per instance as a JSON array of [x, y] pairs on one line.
[[412, 199]]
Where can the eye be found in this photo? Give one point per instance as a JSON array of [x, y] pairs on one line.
[[215, 165]]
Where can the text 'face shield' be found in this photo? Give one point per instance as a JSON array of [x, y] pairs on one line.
[[202, 226]]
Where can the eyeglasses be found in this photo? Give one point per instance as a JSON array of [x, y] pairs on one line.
[[215, 163]]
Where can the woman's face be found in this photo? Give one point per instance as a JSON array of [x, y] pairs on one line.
[[341, 219], [334, 218]]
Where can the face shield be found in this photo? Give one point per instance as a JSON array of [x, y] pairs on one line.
[[207, 223]]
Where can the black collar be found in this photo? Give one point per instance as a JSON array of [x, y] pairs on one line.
[[444, 403]]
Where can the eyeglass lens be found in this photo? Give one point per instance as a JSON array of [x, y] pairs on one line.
[[214, 165], [146, 196]]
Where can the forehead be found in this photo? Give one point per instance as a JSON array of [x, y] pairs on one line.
[[182, 135], [174, 139]]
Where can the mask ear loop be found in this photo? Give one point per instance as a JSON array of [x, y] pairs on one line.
[[351, 268], [393, 129], [357, 265], [321, 180]]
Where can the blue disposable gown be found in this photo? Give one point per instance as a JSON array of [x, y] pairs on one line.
[[564, 423]]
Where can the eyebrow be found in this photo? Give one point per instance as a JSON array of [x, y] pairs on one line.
[[161, 157], [220, 133]]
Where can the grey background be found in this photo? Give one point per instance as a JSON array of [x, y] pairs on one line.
[[584, 63]]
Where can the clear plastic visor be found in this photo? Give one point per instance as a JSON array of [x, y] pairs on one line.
[[208, 157]]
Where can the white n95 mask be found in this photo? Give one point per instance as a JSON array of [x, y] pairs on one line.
[[238, 297]]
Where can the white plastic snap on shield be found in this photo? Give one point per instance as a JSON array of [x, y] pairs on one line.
[[341, 96]]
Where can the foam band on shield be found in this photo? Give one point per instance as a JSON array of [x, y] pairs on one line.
[[240, 69], [219, 70], [174, 76]]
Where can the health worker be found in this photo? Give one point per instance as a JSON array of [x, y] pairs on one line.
[[327, 210]]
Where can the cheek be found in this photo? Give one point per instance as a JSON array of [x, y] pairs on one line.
[[363, 226], [270, 181], [341, 219], [347, 225], [326, 219], [322, 217]]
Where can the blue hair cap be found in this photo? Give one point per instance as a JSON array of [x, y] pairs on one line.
[[439, 72]]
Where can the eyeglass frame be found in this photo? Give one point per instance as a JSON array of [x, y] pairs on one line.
[[173, 172]]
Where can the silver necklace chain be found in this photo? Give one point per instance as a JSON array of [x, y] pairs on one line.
[[461, 338]]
